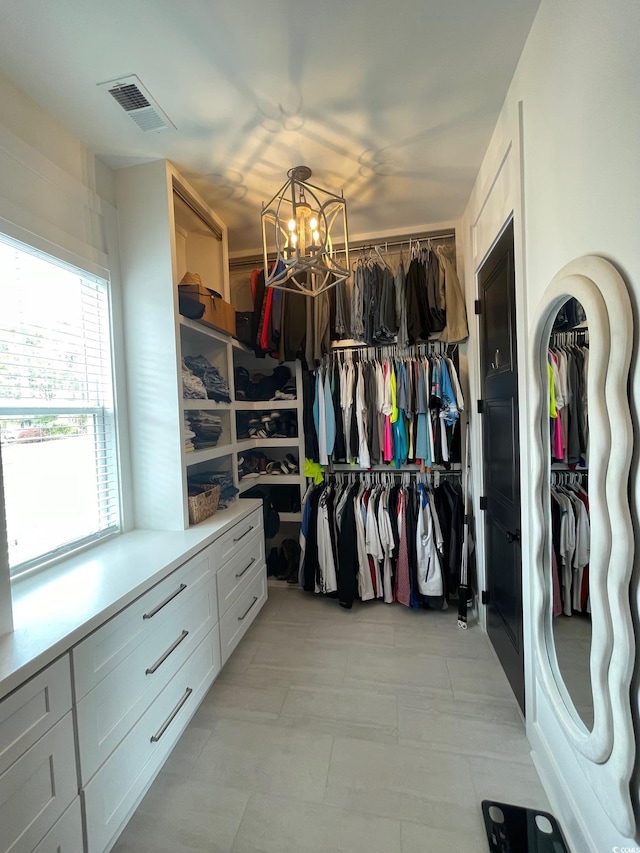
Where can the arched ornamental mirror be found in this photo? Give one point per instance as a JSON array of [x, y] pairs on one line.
[[582, 536]]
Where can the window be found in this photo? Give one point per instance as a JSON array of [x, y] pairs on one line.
[[57, 427]]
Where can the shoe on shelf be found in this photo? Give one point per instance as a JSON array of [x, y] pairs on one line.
[[291, 463]]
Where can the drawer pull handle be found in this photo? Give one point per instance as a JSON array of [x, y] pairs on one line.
[[162, 659], [164, 603], [240, 618], [251, 562], [242, 535], [156, 737]]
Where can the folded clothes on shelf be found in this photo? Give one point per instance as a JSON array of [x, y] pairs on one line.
[[224, 479], [207, 428], [189, 435], [192, 386], [216, 385]]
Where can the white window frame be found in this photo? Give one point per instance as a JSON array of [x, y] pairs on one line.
[[77, 264]]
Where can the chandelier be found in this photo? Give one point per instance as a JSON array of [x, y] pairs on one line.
[[307, 228]]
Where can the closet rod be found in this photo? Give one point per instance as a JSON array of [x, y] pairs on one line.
[[257, 261], [397, 242], [443, 348], [195, 208], [346, 468]]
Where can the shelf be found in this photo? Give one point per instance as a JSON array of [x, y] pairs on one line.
[[251, 443], [290, 516], [269, 480], [192, 326], [236, 344], [264, 405], [196, 404], [209, 453]]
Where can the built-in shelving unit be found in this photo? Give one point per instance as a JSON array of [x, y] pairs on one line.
[[166, 229]]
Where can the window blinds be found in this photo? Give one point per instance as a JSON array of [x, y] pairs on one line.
[[57, 425]]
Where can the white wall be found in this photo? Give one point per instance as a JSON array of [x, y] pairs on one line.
[[565, 159], [55, 195]]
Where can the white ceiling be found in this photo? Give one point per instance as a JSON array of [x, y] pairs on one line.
[[394, 102]]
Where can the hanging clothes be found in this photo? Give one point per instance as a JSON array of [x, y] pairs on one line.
[[382, 541], [571, 539], [569, 432], [393, 409]]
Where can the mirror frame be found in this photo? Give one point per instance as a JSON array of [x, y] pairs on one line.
[[603, 294]]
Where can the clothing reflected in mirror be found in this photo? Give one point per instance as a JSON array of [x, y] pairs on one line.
[[567, 367]]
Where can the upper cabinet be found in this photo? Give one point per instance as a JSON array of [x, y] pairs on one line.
[[200, 239]]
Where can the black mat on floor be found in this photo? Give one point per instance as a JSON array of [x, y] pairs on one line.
[[514, 829]]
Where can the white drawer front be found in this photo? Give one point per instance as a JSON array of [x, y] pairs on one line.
[[232, 577], [37, 788], [107, 712], [100, 653], [66, 834], [243, 611], [227, 545], [112, 795], [29, 711]]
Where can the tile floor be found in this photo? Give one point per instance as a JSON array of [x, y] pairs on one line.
[[332, 731]]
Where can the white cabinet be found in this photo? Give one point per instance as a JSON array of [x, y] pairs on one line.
[[38, 779], [66, 834], [114, 792], [27, 713], [187, 611], [235, 622], [233, 574], [140, 677]]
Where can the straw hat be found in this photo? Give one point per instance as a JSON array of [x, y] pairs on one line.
[[194, 278], [191, 278]]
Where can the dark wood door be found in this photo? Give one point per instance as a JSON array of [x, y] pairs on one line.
[[501, 459]]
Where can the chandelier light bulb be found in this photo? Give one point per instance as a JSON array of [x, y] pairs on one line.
[[305, 228]]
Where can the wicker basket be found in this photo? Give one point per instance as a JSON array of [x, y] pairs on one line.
[[203, 502]]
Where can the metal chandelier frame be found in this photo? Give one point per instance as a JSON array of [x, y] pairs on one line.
[[309, 270]]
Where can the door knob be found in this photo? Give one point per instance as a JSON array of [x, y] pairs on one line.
[[513, 537]]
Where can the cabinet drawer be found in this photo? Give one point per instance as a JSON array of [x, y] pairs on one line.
[[107, 712], [32, 709], [100, 653], [232, 576], [113, 793], [243, 611], [66, 834], [37, 788], [235, 539]]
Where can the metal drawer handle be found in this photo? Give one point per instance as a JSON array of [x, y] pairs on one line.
[[164, 603], [156, 737], [240, 618], [245, 533], [162, 659], [251, 562]]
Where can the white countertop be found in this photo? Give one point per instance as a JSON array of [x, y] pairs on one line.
[[54, 610]]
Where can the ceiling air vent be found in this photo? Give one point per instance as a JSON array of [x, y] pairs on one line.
[[136, 101]]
